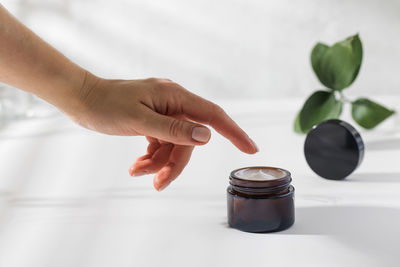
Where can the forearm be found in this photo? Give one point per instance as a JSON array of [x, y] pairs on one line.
[[29, 63]]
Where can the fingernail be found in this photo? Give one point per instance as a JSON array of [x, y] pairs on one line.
[[162, 187], [201, 134], [254, 145], [134, 174]]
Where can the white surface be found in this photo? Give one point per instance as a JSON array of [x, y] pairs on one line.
[[224, 48], [67, 200]]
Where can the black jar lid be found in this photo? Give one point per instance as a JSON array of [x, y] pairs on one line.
[[333, 149]]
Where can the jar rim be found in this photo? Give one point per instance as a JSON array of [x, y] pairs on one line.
[[236, 181]]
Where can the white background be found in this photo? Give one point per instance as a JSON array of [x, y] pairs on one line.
[[220, 49]]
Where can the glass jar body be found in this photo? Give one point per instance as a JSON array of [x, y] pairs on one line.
[[260, 215]]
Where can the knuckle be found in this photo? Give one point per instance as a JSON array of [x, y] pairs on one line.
[[218, 111], [165, 80], [155, 82], [151, 80], [175, 128], [160, 85], [163, 84]]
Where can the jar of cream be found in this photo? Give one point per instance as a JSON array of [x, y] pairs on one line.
[[260, 199]]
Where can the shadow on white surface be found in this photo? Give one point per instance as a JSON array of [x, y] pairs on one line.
[[367, 229], [384, 177]]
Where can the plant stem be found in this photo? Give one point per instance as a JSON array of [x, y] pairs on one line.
[[343, 98]]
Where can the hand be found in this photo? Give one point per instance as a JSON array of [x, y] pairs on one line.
[[168, 115], [165, 113]]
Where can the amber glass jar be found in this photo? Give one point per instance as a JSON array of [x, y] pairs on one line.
[[260, 199]]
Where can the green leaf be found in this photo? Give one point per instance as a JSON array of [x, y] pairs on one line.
[[337, 66], [369, 114], [320, 106], [358, 53], [316, 55], [297, 127]]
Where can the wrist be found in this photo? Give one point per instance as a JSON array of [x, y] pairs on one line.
[[71, 89], [80, 94]]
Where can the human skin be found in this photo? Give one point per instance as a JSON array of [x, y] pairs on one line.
[[170, 117]]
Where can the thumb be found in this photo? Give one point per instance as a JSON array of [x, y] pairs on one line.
[[174, 130]]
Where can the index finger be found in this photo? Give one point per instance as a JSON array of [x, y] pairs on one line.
[[201, 110]]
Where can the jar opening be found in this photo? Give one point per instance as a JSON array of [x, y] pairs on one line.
[[259, 174]]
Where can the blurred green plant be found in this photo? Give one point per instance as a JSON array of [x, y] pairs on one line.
[[337, 67]]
